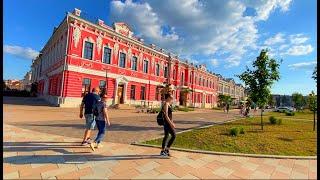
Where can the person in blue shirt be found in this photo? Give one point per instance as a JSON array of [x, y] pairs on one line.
[[88, 102]]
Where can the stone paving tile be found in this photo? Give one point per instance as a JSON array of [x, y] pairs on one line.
[[223, 172], [147, 167], [259, 175], [147, 175], [37, 170], [11, 175], [280, 175], [298, 175], [241, 173], [268, 169], [75, 174], [189, 176], [166, 175], [122, 161]]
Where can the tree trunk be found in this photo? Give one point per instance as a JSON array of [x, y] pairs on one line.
[[261, 119], [314, 120]]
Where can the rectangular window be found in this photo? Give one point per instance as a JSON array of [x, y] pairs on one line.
[[182, 79], [157, 69], [133, 92], [86, 83], [102, 86], [88, 50], [134, 61], [122, 62], [174, 74], [145, 66], [143, 93], [166, 71], [107, 55]]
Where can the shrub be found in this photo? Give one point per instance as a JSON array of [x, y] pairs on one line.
[[290, 113], [234, 131], [241, 130], [279, 121], [272, 120]]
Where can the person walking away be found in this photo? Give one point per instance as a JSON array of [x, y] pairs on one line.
[[168, 126], [101, 120], [224, 107], [228, 107], [88, 102]]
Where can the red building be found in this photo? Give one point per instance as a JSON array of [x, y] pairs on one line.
[[81, 55]]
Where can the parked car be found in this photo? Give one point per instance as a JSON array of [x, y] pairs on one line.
[[284, 109]]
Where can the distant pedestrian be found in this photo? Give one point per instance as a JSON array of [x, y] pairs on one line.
[[168, 126], [88, 102], [224, 107], [241, 110], [101, 120], [228, 107]]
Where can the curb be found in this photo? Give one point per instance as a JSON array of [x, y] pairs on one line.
[[233, 154]]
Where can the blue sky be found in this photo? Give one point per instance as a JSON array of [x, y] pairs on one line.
[[224, 35]]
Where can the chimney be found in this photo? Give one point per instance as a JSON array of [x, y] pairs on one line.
[[77, 12]]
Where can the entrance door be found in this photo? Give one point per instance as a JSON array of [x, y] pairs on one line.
[[120, 94]]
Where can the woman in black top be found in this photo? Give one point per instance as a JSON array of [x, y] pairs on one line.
[[169, 126]]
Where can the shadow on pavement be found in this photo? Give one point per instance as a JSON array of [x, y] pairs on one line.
[[64, 158]]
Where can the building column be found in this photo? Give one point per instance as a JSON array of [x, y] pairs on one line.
[[125, 92]]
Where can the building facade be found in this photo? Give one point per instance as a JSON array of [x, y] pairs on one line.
[[82, 54], [227, 86]]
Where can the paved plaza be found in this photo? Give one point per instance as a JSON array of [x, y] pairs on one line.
[[43, 142]]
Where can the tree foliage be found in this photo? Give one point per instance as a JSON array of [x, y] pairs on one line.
[[260, 79], [312, 102], [224, 99], [298, 100], [315, 74]]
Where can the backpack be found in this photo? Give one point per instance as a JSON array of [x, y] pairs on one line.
[[160, 117]]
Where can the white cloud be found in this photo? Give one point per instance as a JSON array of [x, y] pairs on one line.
[[215, 62], [233, 61], [303, 65], [265, 7], [299, 50], [278, 38], [298, 38], [191, 27], [22, 52]]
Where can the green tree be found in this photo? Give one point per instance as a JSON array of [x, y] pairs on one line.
[[224, 99], [271, 101], [312, 101], [259, 80], [314, 74], [298, 100]]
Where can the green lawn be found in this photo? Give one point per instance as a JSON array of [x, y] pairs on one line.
[[307, 115], [291, 138]]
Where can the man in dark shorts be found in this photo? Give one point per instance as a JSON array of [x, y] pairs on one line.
[[88, 102]]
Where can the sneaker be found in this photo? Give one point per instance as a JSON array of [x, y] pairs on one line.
[[92, 146], [163, 153], [84, 143], [167, 152]]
